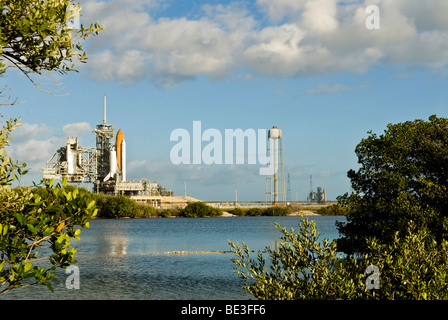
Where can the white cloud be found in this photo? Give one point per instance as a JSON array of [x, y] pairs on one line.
[[289, 38], [277, 10], [76, 129], [319, 16], [33, 151], [29, 130]]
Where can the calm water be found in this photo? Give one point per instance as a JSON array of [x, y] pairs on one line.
[[116, 258]]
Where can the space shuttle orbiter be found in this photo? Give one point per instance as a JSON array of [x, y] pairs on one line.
[[117, 158]]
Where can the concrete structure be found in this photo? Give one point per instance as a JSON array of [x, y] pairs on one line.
[[164, 202]]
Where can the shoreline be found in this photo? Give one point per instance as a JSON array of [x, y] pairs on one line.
[[294, 214], [224, 214]]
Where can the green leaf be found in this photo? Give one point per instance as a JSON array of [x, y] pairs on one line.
[[19, 218], [91, 204], [48, 285], [5, 230], [28, 266], [31, 228], [47, 231]]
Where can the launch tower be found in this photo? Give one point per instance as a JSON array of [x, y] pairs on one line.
[[104, 134]]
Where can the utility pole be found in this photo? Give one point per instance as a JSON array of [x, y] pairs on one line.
[[288, 192], [236, 196]]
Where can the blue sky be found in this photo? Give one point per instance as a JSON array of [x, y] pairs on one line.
[[311, 67]]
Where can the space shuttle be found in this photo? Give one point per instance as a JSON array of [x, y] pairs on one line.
[[117, 158]]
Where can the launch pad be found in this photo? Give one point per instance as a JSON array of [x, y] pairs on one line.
[[104, 165]]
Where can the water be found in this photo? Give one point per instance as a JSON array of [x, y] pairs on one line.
[[116, 258]]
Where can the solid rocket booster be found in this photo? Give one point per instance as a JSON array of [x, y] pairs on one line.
[[123, 160], [117, 158]]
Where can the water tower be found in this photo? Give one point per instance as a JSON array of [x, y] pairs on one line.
[[274, 165]]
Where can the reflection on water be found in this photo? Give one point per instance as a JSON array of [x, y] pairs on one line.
[[116, 260], [116, 245]]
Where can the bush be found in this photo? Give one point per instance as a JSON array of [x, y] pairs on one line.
[[275, 211], [122, 206], [303, 267], [412, 266], [200, 209], [254, 212], [333, 210], [237, 211], [164, 213]]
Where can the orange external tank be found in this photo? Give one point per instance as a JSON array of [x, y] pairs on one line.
[[118, 145]]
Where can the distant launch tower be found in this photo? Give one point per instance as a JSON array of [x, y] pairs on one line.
[[313, 196], [272, 180], [104, 165]]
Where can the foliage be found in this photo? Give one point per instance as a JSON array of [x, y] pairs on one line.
[[403, 176], [275, 211], [9, 170], [333, 210], [30, 222], [164, 213], [413, 266], [270, 211], [255, 212], [301, 268], [121, 206], [38, 35], [200, 209]]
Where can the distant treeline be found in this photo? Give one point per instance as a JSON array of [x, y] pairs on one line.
[[123, 207], [332, 210], [255, 212]]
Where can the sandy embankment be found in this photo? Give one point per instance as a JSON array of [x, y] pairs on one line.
[[301, 212], [305, 213]]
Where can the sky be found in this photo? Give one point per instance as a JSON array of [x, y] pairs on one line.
[[311, 67]]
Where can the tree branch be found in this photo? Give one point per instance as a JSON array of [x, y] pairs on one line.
[[13, 60]]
